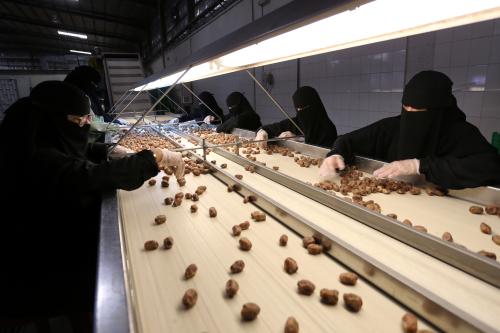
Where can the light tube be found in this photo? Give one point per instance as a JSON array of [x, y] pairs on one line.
[[81, 52], [372, 22], [72, 34]]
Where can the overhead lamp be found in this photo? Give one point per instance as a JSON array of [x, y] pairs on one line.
[[361, 24], [81, 52], [72, 34]]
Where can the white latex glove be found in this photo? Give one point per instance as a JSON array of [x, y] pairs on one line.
[[208, 119], [286, 134], [398, 168], [328, 169], [262, 135], [172, 159], [120, 152]]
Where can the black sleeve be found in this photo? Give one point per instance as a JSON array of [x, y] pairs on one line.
[[274, 130], [365, 141], [248, 120], [97, 151], [471, 161], [462, 172], [82, 176], [198, 114], [228, 125], [185, 117]]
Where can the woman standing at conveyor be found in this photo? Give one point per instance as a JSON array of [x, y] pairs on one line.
[[202, 113], [430, 137], [241, 114], [51, 189], [311, 117]]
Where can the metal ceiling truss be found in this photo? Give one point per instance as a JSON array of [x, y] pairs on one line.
[[85, 30], [83, 13]]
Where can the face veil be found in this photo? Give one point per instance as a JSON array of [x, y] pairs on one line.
[[56, 100], [237, 103], [420, 131]]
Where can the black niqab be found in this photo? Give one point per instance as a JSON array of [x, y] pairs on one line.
[[237, 103], [420, 131], [56, 100], [241, 114], [314, 121]]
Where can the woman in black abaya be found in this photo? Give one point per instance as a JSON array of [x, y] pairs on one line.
[[50, 201], [241, 114], [311, 117], [203, 113], [430, 137]]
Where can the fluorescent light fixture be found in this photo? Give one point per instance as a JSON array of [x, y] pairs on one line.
[[72, 34], [81, 52], [371, 22]]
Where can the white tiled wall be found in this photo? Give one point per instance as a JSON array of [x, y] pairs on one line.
[[470, 55], [361, 85], [285, 83]]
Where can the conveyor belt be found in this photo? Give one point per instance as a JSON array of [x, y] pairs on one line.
[[158, 286]]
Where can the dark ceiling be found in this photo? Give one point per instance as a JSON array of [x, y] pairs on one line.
[[111, 25]]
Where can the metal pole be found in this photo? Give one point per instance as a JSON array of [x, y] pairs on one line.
[[199, 99], [119, 101], [155, 98], [203, 143], [275, 102], [178, 106], [146, 113], [133, 99]]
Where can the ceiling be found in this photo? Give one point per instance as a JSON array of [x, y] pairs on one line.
[[111, 25]]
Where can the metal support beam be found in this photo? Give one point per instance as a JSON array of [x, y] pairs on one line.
[[175, 103], [120, 101], [199, 99], [156, 98], [126, 106]]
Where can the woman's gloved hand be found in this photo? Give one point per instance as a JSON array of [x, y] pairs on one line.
[[328, 169], [398, 168], [262, 135], [208, 119], [166, 158], [286, 134]]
